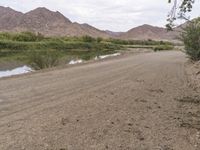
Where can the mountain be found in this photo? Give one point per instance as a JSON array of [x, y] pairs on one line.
[[47, 22], [9, 18], [92, 30], [44, 21], [52, 23], [85, 29], [146, 32]]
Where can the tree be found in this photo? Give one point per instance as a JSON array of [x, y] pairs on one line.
[[190, 34], [191, 39], [179, 12]]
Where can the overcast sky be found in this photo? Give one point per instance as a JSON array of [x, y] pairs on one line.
[[115, 15]]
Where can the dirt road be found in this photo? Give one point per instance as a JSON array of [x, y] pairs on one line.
[[127, 103]]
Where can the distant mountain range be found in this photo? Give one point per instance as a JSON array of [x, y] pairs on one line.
[[52, 23]]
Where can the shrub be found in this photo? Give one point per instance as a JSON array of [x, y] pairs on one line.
[[138, 42], [22, 37], [5, 36], [191, 38], [99, 39], [12, 45], [87, 38], [43, 59], [163, 47], [27, 37]]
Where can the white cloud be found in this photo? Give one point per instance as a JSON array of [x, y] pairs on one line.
[[116, 15]]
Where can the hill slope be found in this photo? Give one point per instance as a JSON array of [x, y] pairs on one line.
[[9, 18], [46, 22], [146, 32]]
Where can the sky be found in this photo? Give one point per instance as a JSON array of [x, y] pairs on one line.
[[114, 15]]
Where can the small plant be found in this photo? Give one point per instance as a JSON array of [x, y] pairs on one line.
[[191, 38]]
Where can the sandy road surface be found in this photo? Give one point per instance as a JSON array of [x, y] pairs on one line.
[[121, 104]]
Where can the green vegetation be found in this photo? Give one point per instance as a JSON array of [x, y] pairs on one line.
[[44, 59], [44, 52], [163, 47], [191, 39], [138, 42], [154, 47]]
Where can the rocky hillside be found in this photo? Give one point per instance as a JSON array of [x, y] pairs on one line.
[[146, 32], [9, 18], [46, 22]]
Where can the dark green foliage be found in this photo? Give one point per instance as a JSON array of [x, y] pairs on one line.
[[99, 39], [88, 39], [191, 39]]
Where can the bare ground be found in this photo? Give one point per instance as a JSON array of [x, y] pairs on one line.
[[130, 103]]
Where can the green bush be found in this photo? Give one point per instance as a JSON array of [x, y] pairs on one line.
[[163, 47], [44, 59], [5, 36], [191, 38], [87, 38], [12, 45], [22, 37]]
